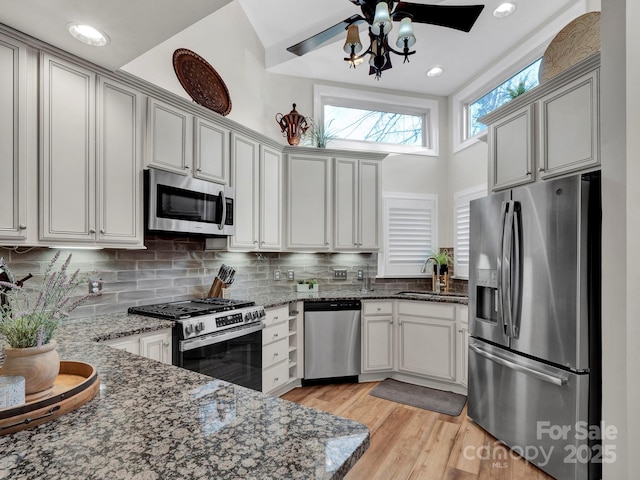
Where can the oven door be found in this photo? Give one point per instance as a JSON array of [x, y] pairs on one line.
[[234, 356]]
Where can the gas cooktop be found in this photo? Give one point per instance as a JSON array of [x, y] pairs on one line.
[[190, 308]]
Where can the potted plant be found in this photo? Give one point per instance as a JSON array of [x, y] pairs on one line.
[[307, 286], [444, 259], [318, 135], [28, 322]]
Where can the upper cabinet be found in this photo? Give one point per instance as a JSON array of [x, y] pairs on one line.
[[309, 202], [183, 143], [14, 224], [91, 182], [551, 130], [256, 174], [357, 204]]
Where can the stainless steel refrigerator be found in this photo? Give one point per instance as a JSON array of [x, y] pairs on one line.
[[534, 320]]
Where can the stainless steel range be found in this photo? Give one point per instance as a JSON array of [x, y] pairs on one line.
[[215, 336]]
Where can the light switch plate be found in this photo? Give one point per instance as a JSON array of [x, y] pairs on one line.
[[340, 273], [276, 275], [360, 274], [290, 275]]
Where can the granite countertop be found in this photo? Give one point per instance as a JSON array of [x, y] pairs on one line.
[[281, 298], [156, 421]]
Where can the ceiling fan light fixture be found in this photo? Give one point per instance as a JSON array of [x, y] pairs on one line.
[[434, 72], [87, 34], [504, 9], [381, 19], [405, 32], [353, 43]]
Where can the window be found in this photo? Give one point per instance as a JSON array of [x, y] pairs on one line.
[[524, 80], [461, 204], [411, 234], [375, 121]]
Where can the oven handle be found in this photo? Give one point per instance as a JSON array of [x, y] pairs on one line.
[[198, 342]]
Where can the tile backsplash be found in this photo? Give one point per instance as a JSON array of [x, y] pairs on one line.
[[176, 268]]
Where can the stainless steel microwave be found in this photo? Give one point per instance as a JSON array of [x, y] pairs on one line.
[[182, 204]]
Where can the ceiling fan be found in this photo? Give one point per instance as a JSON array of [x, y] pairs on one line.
[[378, 14]]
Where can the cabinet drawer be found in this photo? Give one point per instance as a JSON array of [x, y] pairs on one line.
[[275, 315], [427, 309], [275, 352], [275, 332], [275, 376], [377, 308]]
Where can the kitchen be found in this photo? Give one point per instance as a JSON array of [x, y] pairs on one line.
[[154, 269]]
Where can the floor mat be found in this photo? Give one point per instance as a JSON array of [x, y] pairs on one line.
[[439, 401]]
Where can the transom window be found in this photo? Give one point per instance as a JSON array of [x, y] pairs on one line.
[[355, 119], [524, 80]]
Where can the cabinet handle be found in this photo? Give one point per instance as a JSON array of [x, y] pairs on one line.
[[22, 227], [275, 379], [102, 232], [326, 244], [527, 173], [262, 243], [187, 167], [275, 354], [92, 230], [199, 170], [391, 322], [165, 344], [275, 335], [255, 242], [379, 308], [275, 318], [541, 169]]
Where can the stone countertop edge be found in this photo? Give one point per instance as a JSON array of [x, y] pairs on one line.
[[155, 421]]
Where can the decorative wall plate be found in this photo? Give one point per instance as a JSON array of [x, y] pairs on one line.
[[575, 42], [201, 81]]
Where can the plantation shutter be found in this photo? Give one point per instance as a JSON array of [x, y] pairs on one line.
[[411, 226], [461, 216]]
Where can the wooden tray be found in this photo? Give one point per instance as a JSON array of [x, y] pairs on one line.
[[77, 383]]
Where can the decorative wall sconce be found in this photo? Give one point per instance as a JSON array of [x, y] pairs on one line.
[[293, 125]]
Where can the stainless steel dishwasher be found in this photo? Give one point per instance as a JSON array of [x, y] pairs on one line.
[[331, 341]]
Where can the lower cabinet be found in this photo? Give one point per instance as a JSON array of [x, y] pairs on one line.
[[281, 348], [415, 339], [154, 345]]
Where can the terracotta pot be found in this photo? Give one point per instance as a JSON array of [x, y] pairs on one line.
[[38, 365]]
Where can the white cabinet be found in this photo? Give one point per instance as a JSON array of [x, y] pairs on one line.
[[427, 339], [511, 149], [14, 223], [357, 204], [154, 345], [211, 151], [279, 348], [552, 130], [256, 174], [183, 143], [169, 137], [90, 181], [309, 202], [568, 127], [377, 336], [462, 315]]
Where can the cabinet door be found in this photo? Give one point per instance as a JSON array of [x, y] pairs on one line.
[[569, 127], [270, 199], [13, 159], [67, 206], [245, 173], [346, 218], [370, 196], [427, 347], [308, 202], [211, 151], [511, 149], [119, 164], [377, 343], [169, 137], [462, 313], [128, 344], [157, 346]]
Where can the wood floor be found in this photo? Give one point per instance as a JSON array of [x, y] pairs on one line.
[[412, 443]]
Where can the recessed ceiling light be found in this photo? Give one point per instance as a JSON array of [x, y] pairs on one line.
[[87, 34], [504, 9], [434, 72]]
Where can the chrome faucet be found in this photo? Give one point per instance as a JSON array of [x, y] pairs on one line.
[[436, 286]]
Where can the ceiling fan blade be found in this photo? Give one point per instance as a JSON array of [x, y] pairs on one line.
[[318, 39], [460, 17]]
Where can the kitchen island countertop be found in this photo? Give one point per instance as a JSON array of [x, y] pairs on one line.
[[156, 421]]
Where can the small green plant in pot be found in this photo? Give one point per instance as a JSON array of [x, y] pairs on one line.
[[28, 321], [317, 135], [444, 259], [309, 285]]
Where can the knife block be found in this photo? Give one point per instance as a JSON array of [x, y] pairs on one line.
[[216, 288]]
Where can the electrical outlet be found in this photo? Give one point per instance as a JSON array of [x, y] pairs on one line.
[[360, 274], [290, 275], [95, 286], [276, 275], [340, 273]]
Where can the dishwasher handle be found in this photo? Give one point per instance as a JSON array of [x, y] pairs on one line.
[[332, 306]]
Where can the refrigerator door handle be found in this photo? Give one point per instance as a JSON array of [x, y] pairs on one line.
[[500, 289], [514, 281], [506, 267], [546, 377]]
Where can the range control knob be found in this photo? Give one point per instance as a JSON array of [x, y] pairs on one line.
[[247, 317], [199, 327], [262, 313], [188, 329]]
